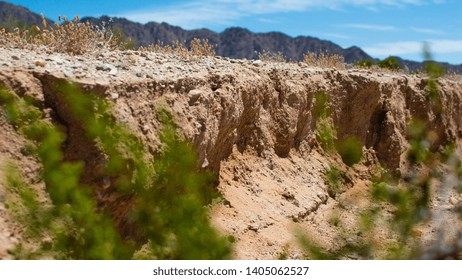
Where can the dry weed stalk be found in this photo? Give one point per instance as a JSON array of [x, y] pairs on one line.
[[325, 60], [15, 39]]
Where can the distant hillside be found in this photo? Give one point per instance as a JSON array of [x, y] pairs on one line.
[[14, 15], [233, 42]]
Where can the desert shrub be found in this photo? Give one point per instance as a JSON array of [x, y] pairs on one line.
[[324, 60], [335, 181], [197, 48], [364, 63], [389, 63], [268, 56], [122, 42], [201, 47], [167, 194], [72, 37]]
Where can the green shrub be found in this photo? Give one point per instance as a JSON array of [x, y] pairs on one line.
[[390, 63], [335, 181], [326, 133], [364, 63]]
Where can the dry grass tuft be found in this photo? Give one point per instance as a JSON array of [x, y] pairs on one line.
[[15, 39], [72, 37], [197, 48], [201, 47], [325, 60], [75, 37], [267, 56]]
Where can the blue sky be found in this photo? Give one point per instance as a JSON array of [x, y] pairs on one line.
[[380, 27]]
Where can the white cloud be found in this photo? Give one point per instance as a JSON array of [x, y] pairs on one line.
[[191, 15], [267, 20], [414, 47], [335, 35], [223, 12], [428, 31], [370, 27]]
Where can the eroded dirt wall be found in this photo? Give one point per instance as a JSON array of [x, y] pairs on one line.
[[252, 123]]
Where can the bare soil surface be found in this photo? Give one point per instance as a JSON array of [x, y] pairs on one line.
[[253, 124]]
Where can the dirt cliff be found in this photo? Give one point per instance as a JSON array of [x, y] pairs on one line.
[[253, 124]]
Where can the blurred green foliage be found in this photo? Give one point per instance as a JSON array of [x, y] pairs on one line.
[[401, 203], [168, 195], [350, 149]]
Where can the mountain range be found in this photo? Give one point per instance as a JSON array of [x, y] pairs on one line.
[[234, 42]]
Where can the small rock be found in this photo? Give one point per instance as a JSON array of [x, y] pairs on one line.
[[145, 129], [254, 227], [205, 163], [40, 63], [258, 63], [114, 95], [56, 59], [15, 57], [296, 256], [453, 201], [194, 95], [105, 67], [68, 74], [13, 240], [74, 66]]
